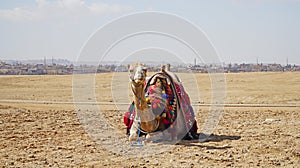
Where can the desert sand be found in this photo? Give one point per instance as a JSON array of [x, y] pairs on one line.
[[49, 133]]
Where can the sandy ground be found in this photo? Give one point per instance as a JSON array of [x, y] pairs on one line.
[[51, 135]]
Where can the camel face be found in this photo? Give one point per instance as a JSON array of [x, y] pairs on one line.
[[137, 73]]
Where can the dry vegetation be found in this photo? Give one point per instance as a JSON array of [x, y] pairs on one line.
[[50, 135]]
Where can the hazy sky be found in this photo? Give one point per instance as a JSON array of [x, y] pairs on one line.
[[240, 30]]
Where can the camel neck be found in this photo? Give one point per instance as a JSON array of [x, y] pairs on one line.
[[139, 97]]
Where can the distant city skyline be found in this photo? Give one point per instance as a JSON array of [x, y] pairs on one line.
[[60, 61], [264, 31], [61, 67]]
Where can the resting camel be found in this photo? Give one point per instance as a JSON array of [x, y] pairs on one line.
[[160, 105]]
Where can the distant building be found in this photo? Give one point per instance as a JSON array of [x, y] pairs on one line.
[[58, 69]]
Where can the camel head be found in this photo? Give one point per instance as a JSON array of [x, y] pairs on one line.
[[137, 73]]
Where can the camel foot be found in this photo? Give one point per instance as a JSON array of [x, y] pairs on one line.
[[132, 137], [157, 137]]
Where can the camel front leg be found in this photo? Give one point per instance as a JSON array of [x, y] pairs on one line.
[[133, 132]]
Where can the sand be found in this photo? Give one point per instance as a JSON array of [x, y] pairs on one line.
[[51, 134]]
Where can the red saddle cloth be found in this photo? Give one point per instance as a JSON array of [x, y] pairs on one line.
[[161, 97]]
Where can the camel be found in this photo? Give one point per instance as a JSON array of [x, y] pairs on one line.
[[152, 117]]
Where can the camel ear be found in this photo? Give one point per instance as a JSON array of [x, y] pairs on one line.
[[163, 67], [145, 70], [168, 67], [128, 66]]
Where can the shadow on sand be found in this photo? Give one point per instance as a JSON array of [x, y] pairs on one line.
[[212, 138]]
